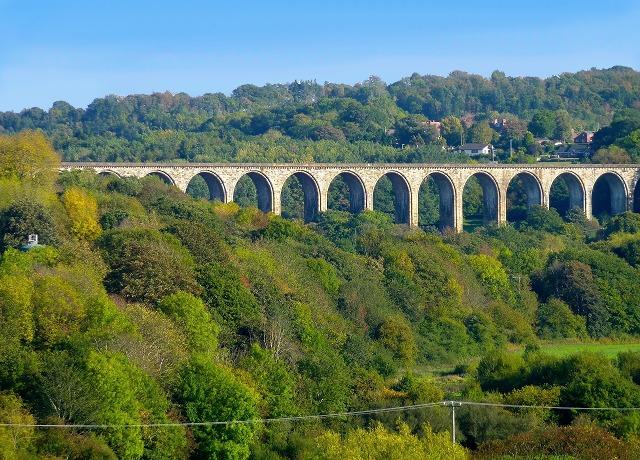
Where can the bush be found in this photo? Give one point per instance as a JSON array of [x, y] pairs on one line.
[[396, 334], [628, 362], [380, 444], [579, 441], [627, 222], [555, 320], [544, 219], [501, 371], [419, 389]]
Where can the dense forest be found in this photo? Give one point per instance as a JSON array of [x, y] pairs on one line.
[[368, 122], [143, 305]]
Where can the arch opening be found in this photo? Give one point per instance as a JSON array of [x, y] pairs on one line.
[[636, 197], [391, 195], [300, 197], [108, 173], [164, 177], [254, 189], [523, 192], [346, 193], [566, 193], [609, 196], [206, 185], [436, 202], [480, 201]]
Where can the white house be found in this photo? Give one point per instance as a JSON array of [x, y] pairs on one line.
[[476, 149]]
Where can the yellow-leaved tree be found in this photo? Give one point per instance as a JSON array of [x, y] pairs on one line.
[[82, 209], [379, 443], [28, 156]]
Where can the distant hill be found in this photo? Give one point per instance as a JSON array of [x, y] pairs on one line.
[[302, 121]]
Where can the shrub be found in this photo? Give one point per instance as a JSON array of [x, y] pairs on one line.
[[579, 441], [555, 320], [380, 444], [501, 371], [396, 334]]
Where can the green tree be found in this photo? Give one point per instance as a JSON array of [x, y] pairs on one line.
[[396, 334], [274, 381], [230, 302], [209, 392], [492, 275], [543, 124], [16, 442], [573, 282], [563, 126], [452, 130], [147, 265], [481, 133], [191, 315], [611, 155], [556, 321]]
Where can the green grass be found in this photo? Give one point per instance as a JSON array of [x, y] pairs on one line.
[[608, 349], [471, 223]]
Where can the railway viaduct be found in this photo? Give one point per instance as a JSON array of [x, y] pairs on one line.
[[619, 182]]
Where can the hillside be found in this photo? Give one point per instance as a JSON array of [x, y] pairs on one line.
[[367, 122], [142, 305]]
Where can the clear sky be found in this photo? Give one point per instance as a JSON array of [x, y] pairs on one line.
[[80, 50]]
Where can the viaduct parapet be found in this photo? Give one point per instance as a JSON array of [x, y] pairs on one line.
[[618, 181]]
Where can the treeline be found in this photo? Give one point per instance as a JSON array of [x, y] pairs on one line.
[[306, 121], [143, 305]]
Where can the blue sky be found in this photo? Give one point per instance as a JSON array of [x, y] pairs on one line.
[[80, 50]]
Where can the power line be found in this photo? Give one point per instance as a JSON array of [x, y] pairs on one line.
[[318, 416], [230, 422], [525, 406]]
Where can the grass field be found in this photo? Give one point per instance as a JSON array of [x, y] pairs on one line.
[[608, 349], [471, 223]]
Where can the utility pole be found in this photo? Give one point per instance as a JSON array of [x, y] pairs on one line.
[[510, 147], [453, 405]]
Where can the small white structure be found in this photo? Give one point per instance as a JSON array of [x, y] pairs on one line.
[[474, 150], [32, 242]]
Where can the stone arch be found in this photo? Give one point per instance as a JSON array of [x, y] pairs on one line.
[[490, 196], [166, 178], [311, 194], [608, 195], [109, 173], [401, 194], [215, 185], [264, 190], [357, 191], [532, 188], [577, 192], [446, 198]]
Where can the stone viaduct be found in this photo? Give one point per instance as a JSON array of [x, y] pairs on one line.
[[621, 182]]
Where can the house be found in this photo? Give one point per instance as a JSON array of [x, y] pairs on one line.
[[436, 124], [499, 124], [476, 149], [585, 137], [581, 150]]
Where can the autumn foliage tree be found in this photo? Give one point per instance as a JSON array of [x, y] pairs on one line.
[[28, 156]]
